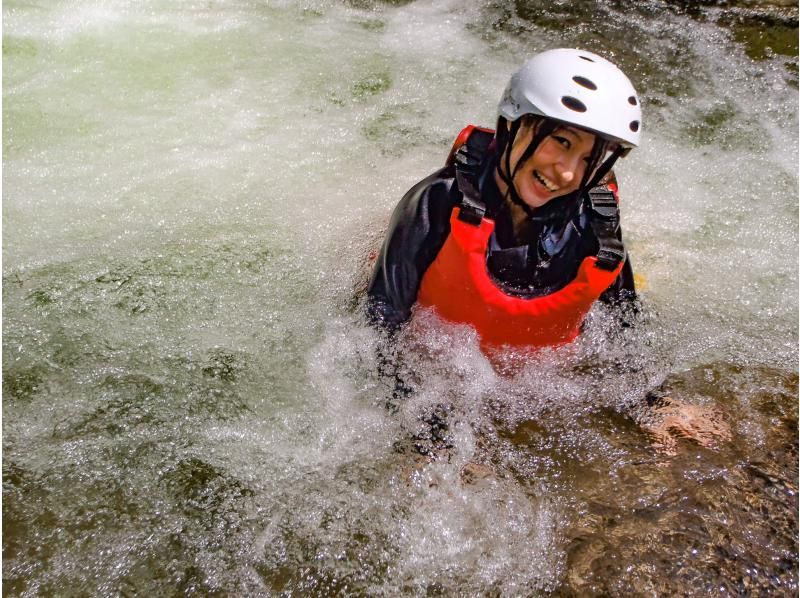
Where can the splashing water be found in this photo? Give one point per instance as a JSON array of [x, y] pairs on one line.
[[193, 402]]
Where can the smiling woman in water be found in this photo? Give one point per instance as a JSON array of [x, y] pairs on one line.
[[519, 234]]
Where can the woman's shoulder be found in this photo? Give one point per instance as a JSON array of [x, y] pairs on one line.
[[437, 183], [434, 195]]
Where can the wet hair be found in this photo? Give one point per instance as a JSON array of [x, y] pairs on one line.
[[596, 156]]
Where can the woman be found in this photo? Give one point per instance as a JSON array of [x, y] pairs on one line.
[[518, 234]]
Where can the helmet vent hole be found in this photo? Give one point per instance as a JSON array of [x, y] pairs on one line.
[[632, 100], [634, 125], [586, 58], [584, 82], [573, 104]]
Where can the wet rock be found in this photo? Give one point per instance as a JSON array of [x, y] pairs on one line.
[[702, 522]]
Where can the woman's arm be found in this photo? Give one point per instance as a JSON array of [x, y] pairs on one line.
[[418, 228]]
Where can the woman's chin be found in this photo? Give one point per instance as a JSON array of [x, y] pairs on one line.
[[535, 200], [535, 195]]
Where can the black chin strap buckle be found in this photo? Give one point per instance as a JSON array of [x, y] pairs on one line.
[[604, 218]]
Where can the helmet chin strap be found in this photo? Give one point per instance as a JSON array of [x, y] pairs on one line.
[[605, 167], [543, 129]]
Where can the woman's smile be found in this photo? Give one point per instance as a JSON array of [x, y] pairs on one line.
[[545, 182]]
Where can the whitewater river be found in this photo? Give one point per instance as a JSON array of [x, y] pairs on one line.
[[193, 403]]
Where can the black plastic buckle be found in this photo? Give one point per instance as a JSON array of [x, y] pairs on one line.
[[609, 258], [466, 160], [470, 212], [603, 204]]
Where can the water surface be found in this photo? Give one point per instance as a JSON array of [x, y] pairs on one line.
[[192, 401]]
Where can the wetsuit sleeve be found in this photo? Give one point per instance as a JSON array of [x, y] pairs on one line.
[[417, 230]]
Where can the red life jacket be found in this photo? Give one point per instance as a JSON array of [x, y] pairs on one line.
[[459, 287]]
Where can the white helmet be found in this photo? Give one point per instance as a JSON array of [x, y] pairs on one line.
[[578, 88]]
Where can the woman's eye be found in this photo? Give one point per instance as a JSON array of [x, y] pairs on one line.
[[563, 141]]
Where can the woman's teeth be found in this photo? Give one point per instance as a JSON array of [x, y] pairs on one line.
[[547, 183]]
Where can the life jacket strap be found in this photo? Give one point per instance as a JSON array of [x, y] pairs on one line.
[[468, 160], [604, 219], [472, 207]]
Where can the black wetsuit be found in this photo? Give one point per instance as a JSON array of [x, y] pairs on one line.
[[561, 230]]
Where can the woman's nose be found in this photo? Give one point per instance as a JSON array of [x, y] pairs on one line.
[[566, 175], [567, 170]]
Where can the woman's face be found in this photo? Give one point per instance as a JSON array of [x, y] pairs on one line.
[[556, 168]]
